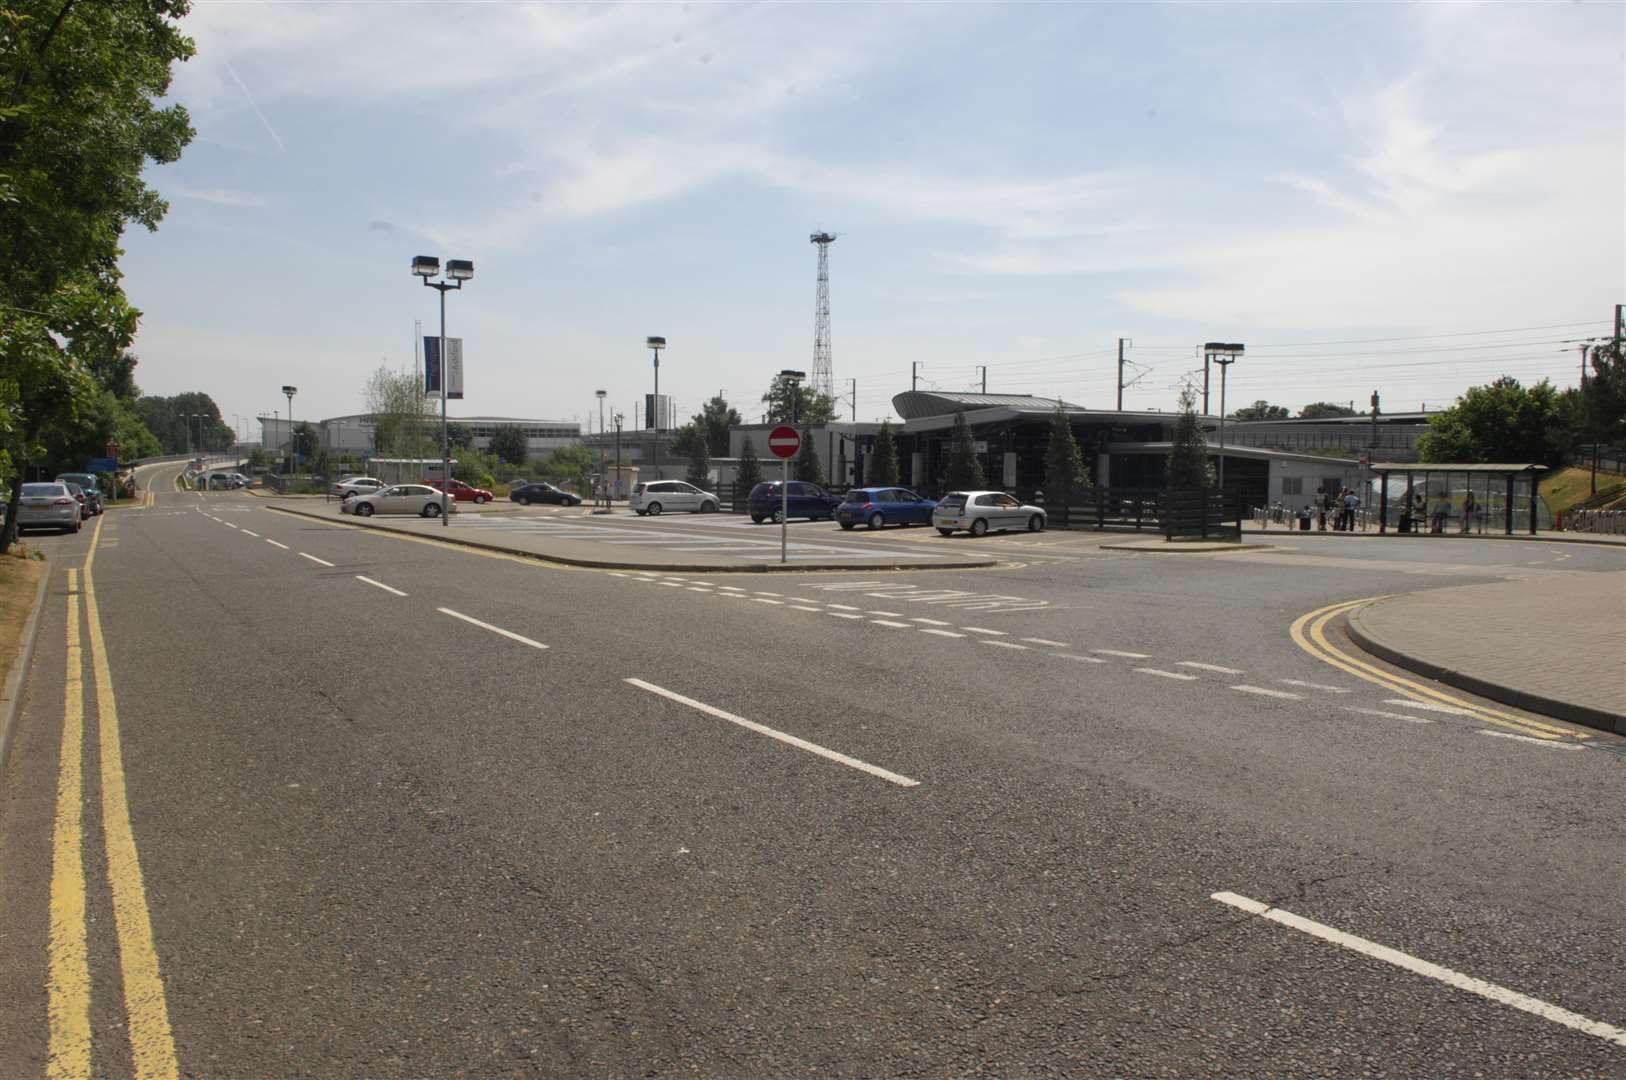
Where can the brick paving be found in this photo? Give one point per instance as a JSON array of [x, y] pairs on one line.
[[1555, 644]]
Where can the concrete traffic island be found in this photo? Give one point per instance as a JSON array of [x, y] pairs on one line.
[[1161, 546], [1554, 644]]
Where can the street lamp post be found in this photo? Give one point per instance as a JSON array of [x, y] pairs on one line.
[[618, 419], [656, 344], [458, 271], [793, 379], [1224, 354], [603, 481], [293, 447]]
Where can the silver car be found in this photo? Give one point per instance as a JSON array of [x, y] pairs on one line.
[[658, 496], [420, 499], [977, 512], [358, 485], [49, 506]]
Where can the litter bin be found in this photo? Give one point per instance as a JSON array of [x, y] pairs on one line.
[[1304, 520]]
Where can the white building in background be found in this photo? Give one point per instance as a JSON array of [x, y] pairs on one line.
[[354, 434]]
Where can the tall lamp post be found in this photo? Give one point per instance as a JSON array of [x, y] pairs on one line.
[[458, 271], [618, 419], [603, 481], [1224, 354], [656, 344], [293, 447]]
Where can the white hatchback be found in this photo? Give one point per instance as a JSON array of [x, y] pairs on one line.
[[658, 496], [979, 511]]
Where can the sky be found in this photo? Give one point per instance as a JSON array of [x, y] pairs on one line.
[[1403, 198]]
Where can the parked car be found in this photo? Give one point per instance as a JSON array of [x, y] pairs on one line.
[[88, 494], [420, 499], [463, 492], [979, 511], [49, 506], [357, 485], [80, 497], [88, 481], [877, 506], [658, 496], [805, 501], [539, 492], [239, 480]]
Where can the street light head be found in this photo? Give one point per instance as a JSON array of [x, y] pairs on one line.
[[289, 391], [656, 343], [601, 393], [1222, 348], [459, 269], [793, 376], [425, 266]]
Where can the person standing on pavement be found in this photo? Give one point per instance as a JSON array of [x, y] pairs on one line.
[[1347, 519], [1321, 508], [1467, 509]]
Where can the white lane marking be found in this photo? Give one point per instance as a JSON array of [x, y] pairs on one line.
[[228, 525], [617, 573], [1160, 673], [314, 559], [1046, 641], [889, 614], [698, 588], [845, 607], [844, 615], [765, 600], [760, 592], [889, 622], [732, 595], [934, 622], [982, 630], [1003, 644], [1388, 715], [804, 607], [939, 633], [494, 629], [788, 740], [1208, 667], [672, 584], [379, 585], [1080, 659], [1125, 655], [273, 543], [1490, 991], [1538, 742], [255, 535], [1314, 686], [1262, 692], [1428, 706]]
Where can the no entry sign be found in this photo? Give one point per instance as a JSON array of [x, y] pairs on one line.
[[784, 441]]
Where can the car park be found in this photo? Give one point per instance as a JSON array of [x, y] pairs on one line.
[[658, 496], [358, 485], [420, 499], [979, 512], [804, 500], [539, 492], [877, 506], [462, 492], [49, 506]]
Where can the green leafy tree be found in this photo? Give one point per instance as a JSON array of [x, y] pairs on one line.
[[883, 466], [459, 436], [1261, 410], [715, 419], [572, 463], [1503, 422], [508, 442], [749, 473], [1063, 460], [476, 469], [699, 473], [788, 401], [398, 410], [1318, 410], [681, 444], [964, 470], [808, 467], [1189, 468], [305, 441]]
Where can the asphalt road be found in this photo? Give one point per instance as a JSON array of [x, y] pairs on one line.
[[382, 831]]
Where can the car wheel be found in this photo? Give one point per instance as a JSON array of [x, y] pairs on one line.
[[655, 508], [522, 500], [478, 499], [432, 510], [756, 520], [708, 508], [777, 517], [1035, 523], [945, 532], [876, 520], [364, 509], [979, 527]]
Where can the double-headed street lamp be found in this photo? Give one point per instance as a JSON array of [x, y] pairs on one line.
[[458, 271], [655, 345], [603, 481], [1224, 354]]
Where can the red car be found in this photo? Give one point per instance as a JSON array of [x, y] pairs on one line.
[[461, 492]]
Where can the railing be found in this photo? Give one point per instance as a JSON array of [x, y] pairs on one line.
[[1612, 522]]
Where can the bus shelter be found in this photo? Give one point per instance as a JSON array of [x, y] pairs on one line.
[[1467, 495]]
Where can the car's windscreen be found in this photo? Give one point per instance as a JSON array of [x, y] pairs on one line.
[[43, 489]]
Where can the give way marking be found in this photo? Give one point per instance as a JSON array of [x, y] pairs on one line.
[[1490, 991], [788, 740]]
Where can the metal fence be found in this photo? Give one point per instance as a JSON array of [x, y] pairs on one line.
[[1612, 522]]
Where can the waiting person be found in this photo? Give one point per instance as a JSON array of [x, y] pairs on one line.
[[1351, 501], [1321, 508], [1468, 507]]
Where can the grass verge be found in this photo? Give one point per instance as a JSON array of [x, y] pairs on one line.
[[19, 580]]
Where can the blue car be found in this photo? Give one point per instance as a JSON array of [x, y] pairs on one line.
[[805, 501], [877, 506]]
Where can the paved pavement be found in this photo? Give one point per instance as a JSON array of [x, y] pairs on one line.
[[1553, 643], [408, 809]]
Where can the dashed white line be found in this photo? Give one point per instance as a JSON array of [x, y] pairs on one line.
[[1160, 673], [934, 622], [672, 584], [1125, 655], [766, 600], [1208, 667], [1262, 692], [1427, 706], [1388, 715], [1080, 659], [760, 592], [617, 573], [1314, 686], [273, 543], [940, 633], [246, 532], [806, 607], [379, 585], [1548, 743], [494, 629], [983, 630], [787, 739], [845, 607], [1046, 641], [845, 615], [699, 588], [889, 614], [891, 623], [228, 525], [1002, 644], [314, 559], [731, 588], [1490, 991]]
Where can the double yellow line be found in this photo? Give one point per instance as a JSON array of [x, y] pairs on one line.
[[152, 1042], [1309, 632]]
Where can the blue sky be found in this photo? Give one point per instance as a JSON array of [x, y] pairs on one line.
[[1013, 185]]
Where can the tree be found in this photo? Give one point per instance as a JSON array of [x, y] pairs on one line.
[[682, 442], [964, 470], [1502, 422], [1318, 410], [714, 419], [883, 470], [749, 473], [508, 442], [574, 463], [699, 473], [398, 410], [306, 441], [1189, 468], [1063, 460], [459, 436], [1261, 410], [808, 467], [790, 402]]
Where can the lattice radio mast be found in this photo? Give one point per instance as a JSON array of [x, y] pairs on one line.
[[823, 381]]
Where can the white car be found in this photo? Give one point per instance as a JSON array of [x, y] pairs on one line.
[[420, 499], [658, 496], [357, 485], [979, 511]]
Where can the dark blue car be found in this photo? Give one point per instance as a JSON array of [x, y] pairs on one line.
[[806, 501], [877, 506]]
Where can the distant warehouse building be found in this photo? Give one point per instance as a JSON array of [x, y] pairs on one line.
[[354, 434]]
